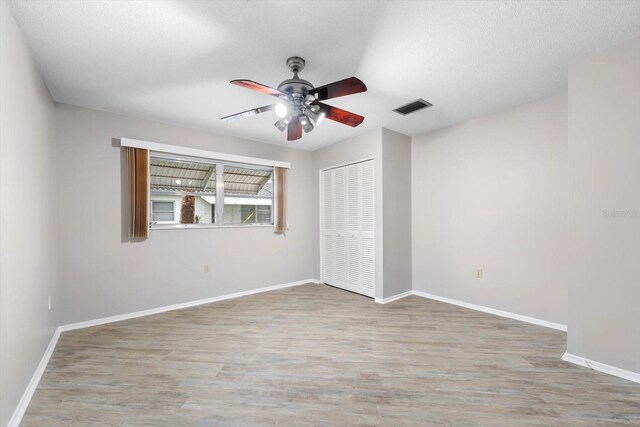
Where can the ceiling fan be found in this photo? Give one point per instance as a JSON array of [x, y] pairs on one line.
[[300, 103]]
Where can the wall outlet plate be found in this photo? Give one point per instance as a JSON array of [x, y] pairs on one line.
[[478, 273]]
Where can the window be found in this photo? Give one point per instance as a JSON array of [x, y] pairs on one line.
[[188, 184], [246, 189], [255, 214], [192, 192], [163, 212]]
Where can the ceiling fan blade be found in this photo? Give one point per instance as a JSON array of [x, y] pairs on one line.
[[340, 88], [250, 112], [340, 115], [250, 84], [294, 129]]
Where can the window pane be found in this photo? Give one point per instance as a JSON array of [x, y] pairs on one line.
[[163, 216], [162, 211], [248, 195], [205, 210], [187, 184], [163, 207], [182, 176], [248, 214], [263, 214]]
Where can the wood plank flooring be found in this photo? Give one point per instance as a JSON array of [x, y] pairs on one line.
[[316, 355]]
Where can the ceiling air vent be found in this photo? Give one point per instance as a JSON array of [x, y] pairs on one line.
[[411, 107]]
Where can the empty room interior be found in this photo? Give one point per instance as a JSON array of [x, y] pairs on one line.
[[256, 213]]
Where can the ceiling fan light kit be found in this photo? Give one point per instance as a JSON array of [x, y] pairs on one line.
[[281, 110], [300, 107], [281, 124]]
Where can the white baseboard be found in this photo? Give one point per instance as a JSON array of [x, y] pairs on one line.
[[16, 418], [393, 298], [126, 316], [540, 322], [601, 367]]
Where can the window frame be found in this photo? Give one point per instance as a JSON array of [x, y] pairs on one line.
[[219, 193]]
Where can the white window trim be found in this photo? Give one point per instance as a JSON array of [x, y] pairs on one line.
[[194, 152], [203, 226]]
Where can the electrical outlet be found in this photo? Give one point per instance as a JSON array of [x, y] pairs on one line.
[[49, 302], [206, 268], [478, 273]]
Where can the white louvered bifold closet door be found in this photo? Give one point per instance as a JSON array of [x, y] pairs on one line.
[[347, 252], [340, 268], [333, 259], [367, 230], [327, 233], [354, 219]]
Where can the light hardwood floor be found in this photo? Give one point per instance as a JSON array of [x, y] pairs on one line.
[[316, 355]]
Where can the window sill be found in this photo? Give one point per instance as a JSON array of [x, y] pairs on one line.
[[199, 227]]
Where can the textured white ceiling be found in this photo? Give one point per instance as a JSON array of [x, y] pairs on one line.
[[172, 60]]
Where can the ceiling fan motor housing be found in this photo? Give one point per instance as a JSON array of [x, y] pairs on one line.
[[296, 87]]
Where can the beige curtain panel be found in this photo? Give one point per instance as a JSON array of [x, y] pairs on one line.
[[138, 161], [279, 214]]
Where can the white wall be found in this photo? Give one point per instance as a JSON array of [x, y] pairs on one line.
[[101, 275], [351, 150], [604, 207], [27, 217], [396, 184], [491, 193]]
